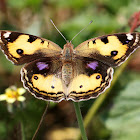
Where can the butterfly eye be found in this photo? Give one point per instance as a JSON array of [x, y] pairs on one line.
[[35, 77], [19, 51], [114, 53]]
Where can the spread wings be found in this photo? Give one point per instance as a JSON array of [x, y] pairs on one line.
[[46, 74]]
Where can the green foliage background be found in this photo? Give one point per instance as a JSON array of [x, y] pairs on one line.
[[119, 116]]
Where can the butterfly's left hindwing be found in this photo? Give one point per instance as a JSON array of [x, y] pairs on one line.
[[22, 48], [111, 49], [43, 79]]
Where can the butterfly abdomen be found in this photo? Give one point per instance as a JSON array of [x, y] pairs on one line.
[[67, 73]]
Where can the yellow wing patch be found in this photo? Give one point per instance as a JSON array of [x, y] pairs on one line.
[[48, 87], [84, 87], [28, 48], [83, 83], [49, 84], [113, 44]]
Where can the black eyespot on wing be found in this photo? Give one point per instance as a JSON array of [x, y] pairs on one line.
[[98, 77], [19, 51], [52, 87], [105, 40], [35, 77], [123, 39], [80, 86], [32, 38], [114, 53]]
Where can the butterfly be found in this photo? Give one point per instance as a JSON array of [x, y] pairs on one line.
[[54, 74]]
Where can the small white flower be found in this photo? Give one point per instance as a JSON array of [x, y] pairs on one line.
[[13, 94]]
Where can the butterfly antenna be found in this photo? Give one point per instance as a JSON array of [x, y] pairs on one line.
[[58, 30], [82, 30]]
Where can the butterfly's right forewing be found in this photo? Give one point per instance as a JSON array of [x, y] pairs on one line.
[[110, 49]]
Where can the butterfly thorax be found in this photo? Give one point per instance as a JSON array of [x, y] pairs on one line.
[[67, 52]]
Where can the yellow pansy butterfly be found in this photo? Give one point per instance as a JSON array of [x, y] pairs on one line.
[[56, 74]]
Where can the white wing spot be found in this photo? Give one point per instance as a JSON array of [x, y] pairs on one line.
[[129, 36], [6, 35], [136, 40]]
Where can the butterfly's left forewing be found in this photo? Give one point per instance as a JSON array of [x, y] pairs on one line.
[[22, 48]]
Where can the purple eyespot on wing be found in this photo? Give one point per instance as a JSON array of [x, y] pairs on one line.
[[42, 65], [93, 65]]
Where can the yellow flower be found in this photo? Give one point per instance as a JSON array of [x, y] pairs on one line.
[[13, 94]]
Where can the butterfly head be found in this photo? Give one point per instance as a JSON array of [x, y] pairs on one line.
[[68, 45]]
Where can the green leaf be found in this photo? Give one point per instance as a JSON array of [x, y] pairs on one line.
[[16, 3], [124, 116], [67, 4]]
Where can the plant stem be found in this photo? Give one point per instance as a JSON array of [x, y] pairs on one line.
[[80, 120]]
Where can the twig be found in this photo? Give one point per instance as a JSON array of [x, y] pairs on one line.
[[41, 120]]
